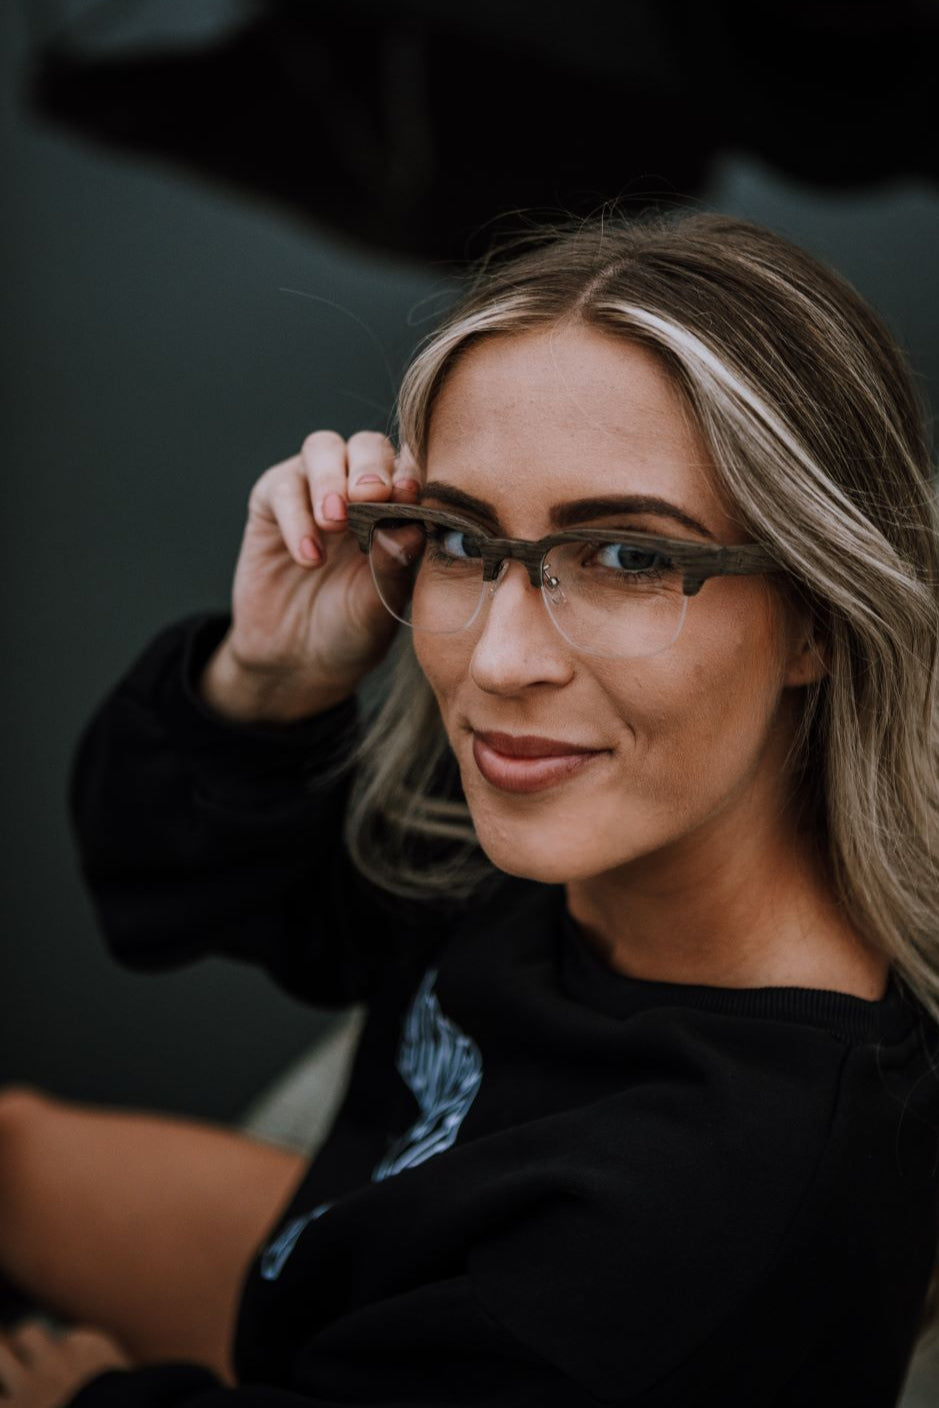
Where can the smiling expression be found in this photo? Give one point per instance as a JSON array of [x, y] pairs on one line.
[[693, 734]]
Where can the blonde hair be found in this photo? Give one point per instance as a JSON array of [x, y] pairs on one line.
[[819, 445]]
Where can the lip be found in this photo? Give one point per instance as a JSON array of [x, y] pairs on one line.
[[531, 745], [528, 774]]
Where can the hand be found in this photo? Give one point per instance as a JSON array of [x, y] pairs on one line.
[[302, 628], [44, 1368]]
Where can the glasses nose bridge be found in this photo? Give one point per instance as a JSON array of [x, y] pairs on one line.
[[506, 551], [496, 570]]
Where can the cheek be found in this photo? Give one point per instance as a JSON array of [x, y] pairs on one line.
[[688, 728], [704, 705], [429, 656], [716, 706], [444, 665]]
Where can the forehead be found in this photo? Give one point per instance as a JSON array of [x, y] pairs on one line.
[[531, 419]]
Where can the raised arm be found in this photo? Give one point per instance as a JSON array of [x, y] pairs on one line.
[[196, 794]]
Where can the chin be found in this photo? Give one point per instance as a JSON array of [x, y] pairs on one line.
[[522, 849], [532, 868]]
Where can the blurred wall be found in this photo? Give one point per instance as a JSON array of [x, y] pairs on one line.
[[153, 367]]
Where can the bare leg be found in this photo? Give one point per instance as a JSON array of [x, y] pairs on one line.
[[140, 1224]]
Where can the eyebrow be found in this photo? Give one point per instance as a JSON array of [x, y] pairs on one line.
[[573, 511]]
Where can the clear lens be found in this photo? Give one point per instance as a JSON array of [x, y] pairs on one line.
[[614, 599], [426, 574], [610, 599]]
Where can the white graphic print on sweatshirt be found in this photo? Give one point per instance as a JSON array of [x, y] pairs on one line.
[[444, 1069]]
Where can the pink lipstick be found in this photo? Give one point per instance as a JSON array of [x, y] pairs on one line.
[[531, 766]]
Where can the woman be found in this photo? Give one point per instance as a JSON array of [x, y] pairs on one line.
[[634, 866]]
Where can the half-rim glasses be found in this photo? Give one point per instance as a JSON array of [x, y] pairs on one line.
[[609, 591]]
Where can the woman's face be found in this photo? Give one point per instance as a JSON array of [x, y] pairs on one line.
[[531, 420]]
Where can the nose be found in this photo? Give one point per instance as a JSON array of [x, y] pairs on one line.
[[518, 644]]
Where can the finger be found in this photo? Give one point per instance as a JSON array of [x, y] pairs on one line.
[[324, 460], [289, 499], [371, 458], [90, 1343], [407, 474], [32, 1339], [12, 1369]]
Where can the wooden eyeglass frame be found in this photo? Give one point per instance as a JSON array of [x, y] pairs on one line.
[[697, 561]]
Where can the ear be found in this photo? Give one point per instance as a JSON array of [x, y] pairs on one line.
[[810, 657], [811, 663]]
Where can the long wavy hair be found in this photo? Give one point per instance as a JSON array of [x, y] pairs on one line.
[[821, 449]]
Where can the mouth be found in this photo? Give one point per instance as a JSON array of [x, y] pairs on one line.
[[533, 770]]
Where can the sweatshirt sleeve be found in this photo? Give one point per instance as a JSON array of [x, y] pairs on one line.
[[434, 1347], [181, 1386], [197, 835]]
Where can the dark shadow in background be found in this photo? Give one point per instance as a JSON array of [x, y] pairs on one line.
[[410, 124], [168, 339]]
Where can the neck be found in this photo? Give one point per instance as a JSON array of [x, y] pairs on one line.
[[741, 901]]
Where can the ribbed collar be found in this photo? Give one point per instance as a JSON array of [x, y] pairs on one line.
[[853, 1019]]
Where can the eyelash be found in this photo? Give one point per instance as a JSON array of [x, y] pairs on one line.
[[437, 535], [642, 574]]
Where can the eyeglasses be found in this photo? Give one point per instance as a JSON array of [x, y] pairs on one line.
[[609, 592]]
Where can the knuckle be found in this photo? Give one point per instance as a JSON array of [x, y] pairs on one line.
[[263, 486], [87, 1334], [27, 1332], [282, 490], [369, 437], [323, 440]]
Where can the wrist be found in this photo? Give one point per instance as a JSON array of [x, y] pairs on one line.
[[250, 694]]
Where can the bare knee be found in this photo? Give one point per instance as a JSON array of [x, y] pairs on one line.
[[30, 1121], [21, 1095], [22, 1109], [20, 1106]]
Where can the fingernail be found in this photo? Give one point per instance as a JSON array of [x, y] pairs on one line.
[[410, 486], [334, 508], [310, 551]]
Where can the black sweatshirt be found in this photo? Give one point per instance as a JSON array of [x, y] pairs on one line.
[[548, 1183]]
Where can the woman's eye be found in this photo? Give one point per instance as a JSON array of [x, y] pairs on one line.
[[621, 557], [452, 542]]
